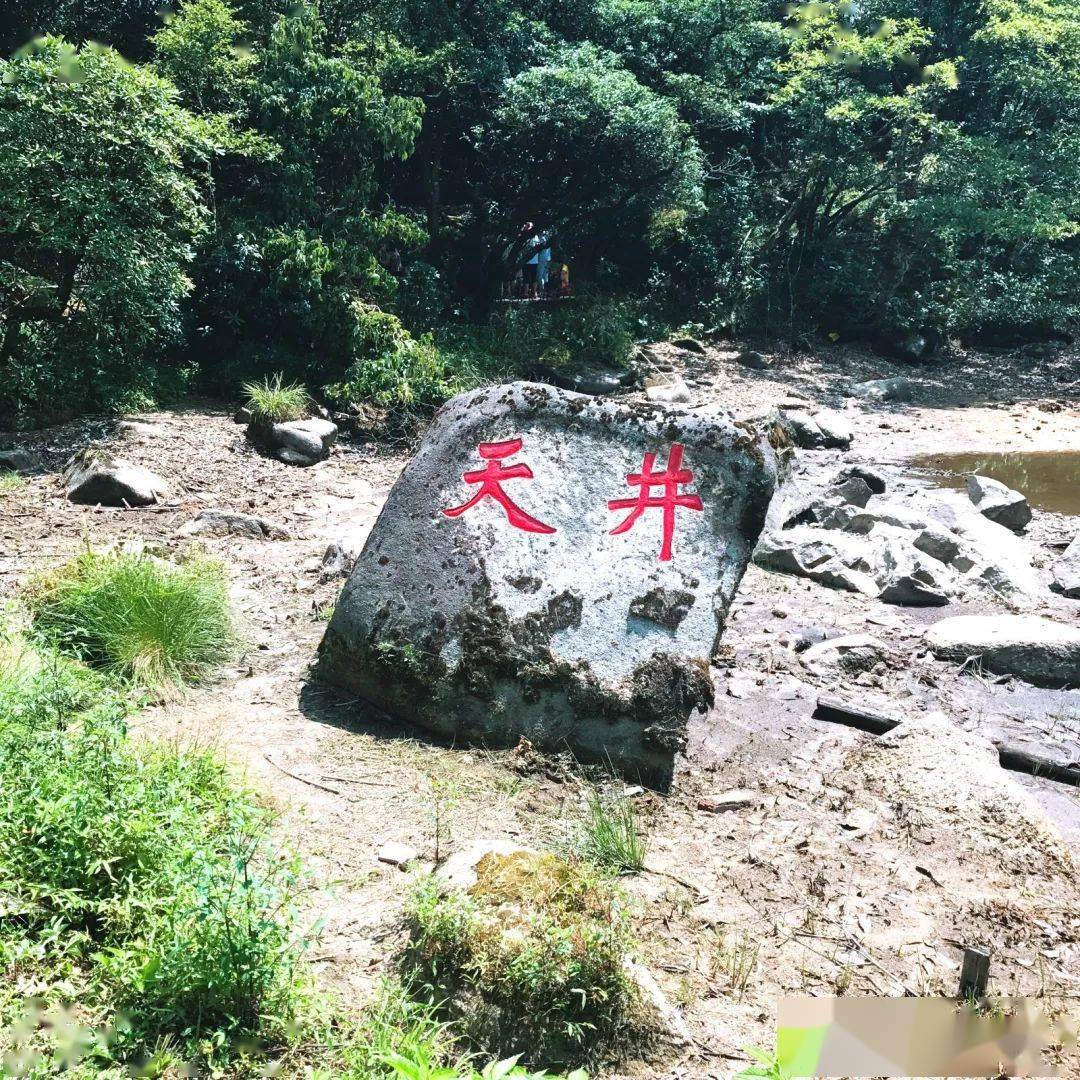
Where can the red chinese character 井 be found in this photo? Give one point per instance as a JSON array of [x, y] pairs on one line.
[[491, 477], [670, 479]]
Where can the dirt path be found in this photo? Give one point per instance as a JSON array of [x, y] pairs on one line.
[[853, 873]]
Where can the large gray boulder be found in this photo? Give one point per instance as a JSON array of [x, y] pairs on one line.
[[538, 602], [1067, 570], [20, 461], [999, 503], [1037, 650], [96, 478]]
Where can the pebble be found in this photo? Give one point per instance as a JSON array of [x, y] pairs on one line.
[[399, 855]]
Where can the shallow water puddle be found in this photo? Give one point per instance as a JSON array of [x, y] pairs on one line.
[[1049, 478]]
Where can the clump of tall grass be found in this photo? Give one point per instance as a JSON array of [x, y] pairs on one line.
[[273, 401], [155, 623], [611, 837]]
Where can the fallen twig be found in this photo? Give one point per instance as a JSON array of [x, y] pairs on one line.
[[302, 779]]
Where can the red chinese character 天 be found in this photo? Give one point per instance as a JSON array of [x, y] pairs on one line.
[[670, 479], [491, 477]]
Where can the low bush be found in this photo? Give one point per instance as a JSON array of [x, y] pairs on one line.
[[156, 623], [530, 960], [273, 401], [393, 369], [135, 880]]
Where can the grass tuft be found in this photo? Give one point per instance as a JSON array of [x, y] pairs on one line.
[[612, 838], [531, 960], [152, 622], [273, 401], [10, 482]]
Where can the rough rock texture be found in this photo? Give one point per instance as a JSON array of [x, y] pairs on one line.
[[341, 555], [850, 655], [873, 479], [898, 388], [20, 461], [999, 503], [1067, 570], [834, 429], [667, 389], [593, 379], [226, 522], [95, 478], [574, 638], [1032, 648], [311, 439], [805, 433]]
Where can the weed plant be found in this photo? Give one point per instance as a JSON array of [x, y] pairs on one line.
[[611, 836], [152, 622], [273, 401]]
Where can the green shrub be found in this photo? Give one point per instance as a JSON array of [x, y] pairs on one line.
[[272, 401], [611, 836], [531, 959], [395, 370], [156, 623], [134, 878]]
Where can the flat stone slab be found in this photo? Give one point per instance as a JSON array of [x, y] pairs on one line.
[[515, 584], [1037, 650]]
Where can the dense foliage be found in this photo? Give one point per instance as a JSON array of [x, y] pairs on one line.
[[340, 190]]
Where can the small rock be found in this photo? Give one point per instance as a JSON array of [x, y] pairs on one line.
[[805, 432], [1067, 570], [399, 855], [671, 390], [340, 557], [859, 820], [851, 654], [897, 388], [140, 429], [294, 457], [1032, 648], [459, 870], [834, 428], [908, 580], [689, 344], [95, 478], [854, 490], [999, 503], [873, 480], [242, 416], [736, 799], [20, 461], [754, 360], [310, 438], [224, 522], [938, 544]]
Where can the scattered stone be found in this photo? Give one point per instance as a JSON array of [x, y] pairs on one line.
[[810, 635], [591, 379], [340, 557], [854, 490], [829, 559], [399, 855], [999, 503], [907, 579], [835, 429], [20, 461], [874, 480], [850, 655], [294, 457], [753, 360], [804, 431], [140, 429], [227, 522], [689, 344], [311, 439], [898, 388], [736, 799], [938, 544], [1067, 570], [432, 628], [93, 477], [669, 390], [890, 514], [1032, 648]]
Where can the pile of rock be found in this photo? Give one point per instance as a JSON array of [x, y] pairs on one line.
[[922, 552], [821, 430]]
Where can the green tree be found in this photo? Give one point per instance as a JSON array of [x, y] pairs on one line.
[[101, 204]]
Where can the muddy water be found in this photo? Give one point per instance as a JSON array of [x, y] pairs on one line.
[[1050, 479]]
